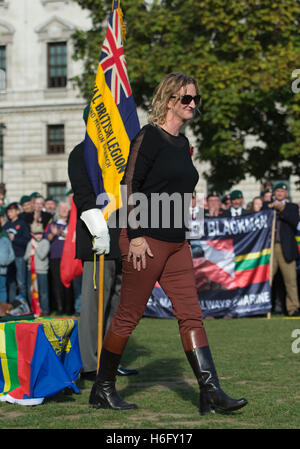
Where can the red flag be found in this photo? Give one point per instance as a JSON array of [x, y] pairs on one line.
[[35, 302], [70, 268]]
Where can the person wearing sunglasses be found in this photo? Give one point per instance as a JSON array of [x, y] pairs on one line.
[[160, 163]]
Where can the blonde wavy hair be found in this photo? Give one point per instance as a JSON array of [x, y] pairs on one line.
[[168, 87]]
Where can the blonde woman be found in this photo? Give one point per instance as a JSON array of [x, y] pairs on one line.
[[56, 234], [160, 163]]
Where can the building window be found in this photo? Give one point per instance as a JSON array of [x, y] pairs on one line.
[[57, 64], [57, 190], [56, 139], [2, 67]]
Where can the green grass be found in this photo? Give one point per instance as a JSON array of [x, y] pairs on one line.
[[253, 357]]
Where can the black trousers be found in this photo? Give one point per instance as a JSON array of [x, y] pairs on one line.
[[61, 297]]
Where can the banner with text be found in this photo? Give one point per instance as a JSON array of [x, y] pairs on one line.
[[231, 262]]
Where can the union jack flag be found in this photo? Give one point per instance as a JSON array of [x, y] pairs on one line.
[[112, 58], [113, 121]]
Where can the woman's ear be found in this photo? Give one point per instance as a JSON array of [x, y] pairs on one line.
[[171, 103]]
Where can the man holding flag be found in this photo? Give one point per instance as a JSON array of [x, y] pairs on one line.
[[96, 167]]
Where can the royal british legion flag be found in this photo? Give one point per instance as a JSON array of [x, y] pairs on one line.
[[112, 121]]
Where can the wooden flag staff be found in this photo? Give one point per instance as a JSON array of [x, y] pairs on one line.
[[272, 254], [100, 308]]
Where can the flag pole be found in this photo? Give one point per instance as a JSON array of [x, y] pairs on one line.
[[100, 308], [125, 130], [272, 255], [100, 294]]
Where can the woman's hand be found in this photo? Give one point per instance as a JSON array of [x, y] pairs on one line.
[[138, 248], [36, 216], [54, 229]]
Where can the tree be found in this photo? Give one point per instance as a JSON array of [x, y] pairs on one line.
[[243, 53]]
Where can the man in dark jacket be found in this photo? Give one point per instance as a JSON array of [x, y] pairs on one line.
[[285, 248], [91, 238], [19, 234], [236, 209], [214, 208]]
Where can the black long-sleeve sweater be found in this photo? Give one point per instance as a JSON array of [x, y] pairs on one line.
[[160, 167]]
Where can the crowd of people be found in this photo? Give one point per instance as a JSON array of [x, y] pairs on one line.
[[233, 204], [32, 239], [36, 226], [34, 230], [285, 270]]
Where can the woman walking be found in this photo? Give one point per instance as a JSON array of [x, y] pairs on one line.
[[160, 163]]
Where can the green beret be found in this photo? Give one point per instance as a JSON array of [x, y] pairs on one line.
[[35, 195], [25, 199], [2, 211], [280, 185], [49, 198], [212, 194], [236, 194], [86, 113]]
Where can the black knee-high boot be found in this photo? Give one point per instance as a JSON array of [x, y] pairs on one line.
[[103, 393], [212, 397]]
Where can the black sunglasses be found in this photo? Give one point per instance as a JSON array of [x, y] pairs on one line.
[[187, 99]]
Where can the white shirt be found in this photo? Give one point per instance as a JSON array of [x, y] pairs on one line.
[[236, 212]]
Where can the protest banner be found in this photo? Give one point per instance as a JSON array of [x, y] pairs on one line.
[[232, 268]]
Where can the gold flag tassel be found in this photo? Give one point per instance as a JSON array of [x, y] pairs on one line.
[[122, 22]]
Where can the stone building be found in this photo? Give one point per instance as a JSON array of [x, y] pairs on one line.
[[40, 110]]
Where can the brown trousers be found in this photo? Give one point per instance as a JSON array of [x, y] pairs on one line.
[[172, 267], [288, 271]]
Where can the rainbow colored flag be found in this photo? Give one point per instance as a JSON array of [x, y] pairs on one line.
[[252, 268], [38, 359], [112, 121], [232, 266]]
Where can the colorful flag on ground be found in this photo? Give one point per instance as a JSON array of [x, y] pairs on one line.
[[232, 266], [113, 120], [38, 359]]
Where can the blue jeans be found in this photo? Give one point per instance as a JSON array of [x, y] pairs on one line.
[[3, 291], [16, 279], [42, 281], [21, 275], [77, 283]]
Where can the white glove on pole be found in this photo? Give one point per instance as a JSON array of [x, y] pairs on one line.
[[96, 224]]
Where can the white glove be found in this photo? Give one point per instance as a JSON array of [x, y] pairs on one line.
[[96, 224]]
